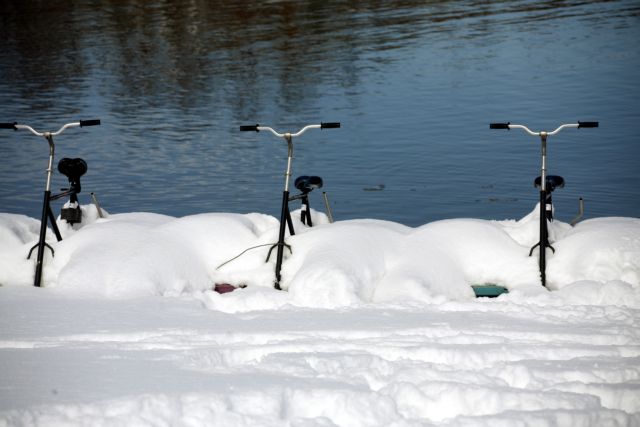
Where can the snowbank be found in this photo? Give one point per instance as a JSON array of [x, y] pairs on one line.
[[330, 265], [378, 327]]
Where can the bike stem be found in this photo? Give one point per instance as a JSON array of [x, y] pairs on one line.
[[287, 174], [543, 169], [52, 149]]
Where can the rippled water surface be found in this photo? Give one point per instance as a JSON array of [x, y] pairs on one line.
[[414, 84]]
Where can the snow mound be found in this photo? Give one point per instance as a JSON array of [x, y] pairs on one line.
[[347, 263], [378, 325]]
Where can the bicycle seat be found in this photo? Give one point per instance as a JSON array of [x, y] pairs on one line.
[[553, 182], [307, 183], [73, 169]]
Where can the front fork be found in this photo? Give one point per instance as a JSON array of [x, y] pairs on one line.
[[545, 201], [46, 216], [285, 215]]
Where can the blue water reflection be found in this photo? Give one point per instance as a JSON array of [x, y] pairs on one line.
[[415, 85]]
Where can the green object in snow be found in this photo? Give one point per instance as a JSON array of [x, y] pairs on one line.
[[489, 290]]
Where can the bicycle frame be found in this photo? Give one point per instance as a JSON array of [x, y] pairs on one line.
[[544, 192], [47, 214], [285, 216]]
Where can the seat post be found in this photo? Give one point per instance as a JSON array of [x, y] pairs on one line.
[[551, 183], [306, 184], [305, 215]]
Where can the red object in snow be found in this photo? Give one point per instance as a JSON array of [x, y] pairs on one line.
[[223, 288]]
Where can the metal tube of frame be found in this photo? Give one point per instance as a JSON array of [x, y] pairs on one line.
[[37, 278], [49, 138], [327, 207], [544, 239], [287, 175], [543, 170], [95, 202], [280, 244], [543, 210]]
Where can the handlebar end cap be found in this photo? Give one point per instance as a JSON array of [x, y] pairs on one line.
[[588, 124], [9, 125], [499, 125]]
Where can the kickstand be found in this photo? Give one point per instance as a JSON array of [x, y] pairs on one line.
[[276, 245], [538, 244], [53, 253]]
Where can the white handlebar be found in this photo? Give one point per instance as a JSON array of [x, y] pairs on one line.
[[543, 133], [289, 138], [282, 135], [530, 132], [45, 134], [289, 135]]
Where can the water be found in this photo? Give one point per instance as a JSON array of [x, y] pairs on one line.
[[414, 84]]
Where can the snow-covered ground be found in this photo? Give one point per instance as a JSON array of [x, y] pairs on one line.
[[378, 325]]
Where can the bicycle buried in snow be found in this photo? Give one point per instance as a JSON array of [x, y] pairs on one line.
[[73, 169], [547, 184], [303, 183]]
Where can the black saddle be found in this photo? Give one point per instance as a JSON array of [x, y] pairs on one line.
[[553, 182], [306, 183], [73, 169]]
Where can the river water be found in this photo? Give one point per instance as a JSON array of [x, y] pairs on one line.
[[414, 84]]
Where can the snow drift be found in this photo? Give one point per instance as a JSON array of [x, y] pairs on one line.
[[378, 327], [330, 265]]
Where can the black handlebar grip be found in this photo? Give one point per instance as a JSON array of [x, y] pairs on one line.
[[329, 125], [587, 124], [499, 125], [249, 128], [8, 125], [93, 122]]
